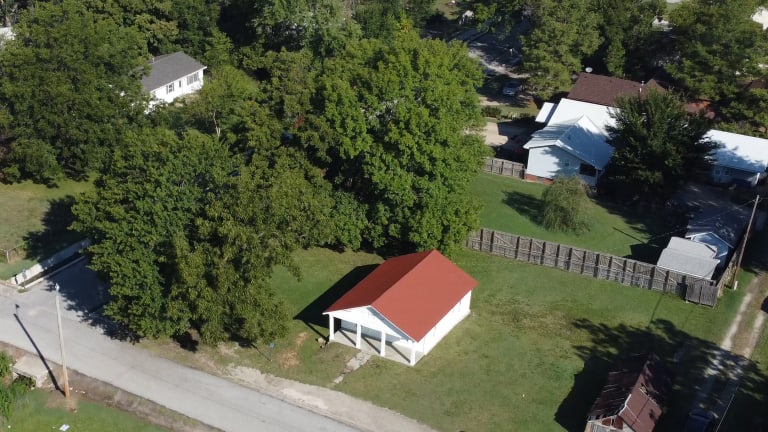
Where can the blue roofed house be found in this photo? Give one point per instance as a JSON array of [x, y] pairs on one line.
[[720, 228], [572, 143], [172, 76], [741, 159]]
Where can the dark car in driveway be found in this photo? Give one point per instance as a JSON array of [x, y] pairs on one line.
[[700, 420]]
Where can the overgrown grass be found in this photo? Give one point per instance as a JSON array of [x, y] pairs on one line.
[[518, 363], [515, 206], [35, 218], [42, 411]]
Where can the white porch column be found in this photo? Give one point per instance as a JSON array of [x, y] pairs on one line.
[[330, 327], [357, 339], [383, 343], [413, 353]]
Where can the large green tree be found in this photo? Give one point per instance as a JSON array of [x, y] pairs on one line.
[[188, 235], [70, 80], [716, 47], [392, 130], [563, 34], [657, 146]]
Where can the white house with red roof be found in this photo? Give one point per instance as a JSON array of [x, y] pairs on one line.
[[409, 303]]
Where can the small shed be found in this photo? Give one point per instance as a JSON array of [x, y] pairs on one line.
[[408, 303], [720, 227], [689, 257], [633, 398]]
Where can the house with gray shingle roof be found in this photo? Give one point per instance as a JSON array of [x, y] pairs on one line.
[[171, 76]]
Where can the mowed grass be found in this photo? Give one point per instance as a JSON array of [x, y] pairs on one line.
[[40, 410], [515, 206], [513, 365], [37, 216]]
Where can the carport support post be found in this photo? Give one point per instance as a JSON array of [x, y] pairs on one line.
[[330, 327], [383, 343], [412, 360], [357, 339], [61, 344]]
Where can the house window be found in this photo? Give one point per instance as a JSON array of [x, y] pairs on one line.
[[566, 164], [587, 170], [169, 88], [192, 79], [179, 83]]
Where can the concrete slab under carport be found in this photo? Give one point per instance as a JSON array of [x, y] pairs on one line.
[[371, 345]]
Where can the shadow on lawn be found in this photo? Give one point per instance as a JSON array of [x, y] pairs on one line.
[[312, 315], [527, 205], [686, 355], [55, 234]]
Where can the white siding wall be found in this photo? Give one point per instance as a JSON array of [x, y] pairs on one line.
[[550, 161], [181, 87], [372, 325], [725, 175]]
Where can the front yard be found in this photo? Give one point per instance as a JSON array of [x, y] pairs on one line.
[[531, 357], [515, 206], [34, 222]]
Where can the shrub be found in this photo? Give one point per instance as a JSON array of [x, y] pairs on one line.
[[565, 205], [491, 111]]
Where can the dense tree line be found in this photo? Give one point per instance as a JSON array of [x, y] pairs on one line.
[[322, 123], [712, 50]]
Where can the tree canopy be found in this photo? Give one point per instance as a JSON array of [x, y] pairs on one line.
[[390, 129], [658, 145], [69, 107]]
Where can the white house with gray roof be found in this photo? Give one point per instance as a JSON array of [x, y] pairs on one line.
[[572, 143], [172, 76], [741, 159]]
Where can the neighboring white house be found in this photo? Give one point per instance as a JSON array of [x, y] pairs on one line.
[[741, 158], [572, 143], [6, 34], [409, 303], [172, 76], [761, 17], [689, 257]]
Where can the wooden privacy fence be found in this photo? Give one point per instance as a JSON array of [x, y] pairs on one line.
[[597, 265], [504, 167]]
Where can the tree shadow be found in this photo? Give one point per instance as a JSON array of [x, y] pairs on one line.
[[687, 356], [526, 205], [312, 314], [55, 234]]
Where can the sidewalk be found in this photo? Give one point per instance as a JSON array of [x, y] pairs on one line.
[[275, 404]]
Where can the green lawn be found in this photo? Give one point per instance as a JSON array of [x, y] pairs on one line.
[[531, 357], [36, 412], [36, 216], [514, 206]]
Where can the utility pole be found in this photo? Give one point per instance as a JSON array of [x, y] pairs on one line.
[[744, 244], [61, 344]]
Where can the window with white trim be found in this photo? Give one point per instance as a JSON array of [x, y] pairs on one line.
[[191, 79], [169, 88]]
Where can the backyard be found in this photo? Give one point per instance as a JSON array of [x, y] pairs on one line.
[[34, 223], [514, 206], [531, 357]]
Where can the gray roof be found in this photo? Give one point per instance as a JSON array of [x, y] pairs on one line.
[[168, 68], [689, 257]]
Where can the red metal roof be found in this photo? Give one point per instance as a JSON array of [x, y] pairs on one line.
[[414, 292]]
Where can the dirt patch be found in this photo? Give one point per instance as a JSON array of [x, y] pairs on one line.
[[229, 350], [290, 358], [84, 387]]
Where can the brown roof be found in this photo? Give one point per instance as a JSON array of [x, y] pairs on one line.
[[604, 90], [636, 392], [414, 292]]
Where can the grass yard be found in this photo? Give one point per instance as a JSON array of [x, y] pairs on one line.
[[531, 357], [35, 218], [514, 206], [43, 411]]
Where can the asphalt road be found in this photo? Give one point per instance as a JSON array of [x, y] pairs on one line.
[[28, 320]]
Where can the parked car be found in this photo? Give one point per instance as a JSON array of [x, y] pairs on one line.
[[700, 420], [512, 88]]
